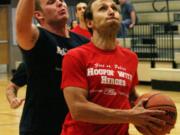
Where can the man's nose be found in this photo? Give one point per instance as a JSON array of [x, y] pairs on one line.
[[59, 3], [111, 11], [83, 9]]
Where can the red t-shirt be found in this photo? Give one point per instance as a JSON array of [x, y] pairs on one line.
[[81, 31], [109, 77]]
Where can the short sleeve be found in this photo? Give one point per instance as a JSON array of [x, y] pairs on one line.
[[130, 7], [20, 76], [73, 73]]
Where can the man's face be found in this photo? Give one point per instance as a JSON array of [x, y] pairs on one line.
[[54, 11], [80, 9], [105, 15]]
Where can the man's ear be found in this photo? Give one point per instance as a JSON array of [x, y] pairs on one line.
[[89, 23], [38, 15]]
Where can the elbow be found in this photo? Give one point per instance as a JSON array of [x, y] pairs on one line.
[[78, 112], [76, 116]]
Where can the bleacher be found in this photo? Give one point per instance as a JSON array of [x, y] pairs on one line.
[[156, 40], [156, 11]]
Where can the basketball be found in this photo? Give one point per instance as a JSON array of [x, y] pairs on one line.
[[159, 101]]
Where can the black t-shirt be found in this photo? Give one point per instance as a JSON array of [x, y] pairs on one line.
[[45, 107], [20, 76]]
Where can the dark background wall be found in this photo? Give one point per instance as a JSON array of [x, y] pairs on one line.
[[5, 1]]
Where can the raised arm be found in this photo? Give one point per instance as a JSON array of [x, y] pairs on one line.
[[27, 34]]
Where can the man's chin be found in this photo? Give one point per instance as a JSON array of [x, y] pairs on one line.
[[110, 29], [63, 18], [113, 25]]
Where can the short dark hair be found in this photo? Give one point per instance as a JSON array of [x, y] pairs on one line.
[[37, 5], [88, 12], [79, 3], [88, 15]]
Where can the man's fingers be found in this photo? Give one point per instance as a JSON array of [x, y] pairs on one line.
[[16, 103], [22, 100], [146, 131], [156, 112], [154, 126], [157, 121]]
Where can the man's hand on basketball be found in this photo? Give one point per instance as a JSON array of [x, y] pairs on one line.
[[145, 118]]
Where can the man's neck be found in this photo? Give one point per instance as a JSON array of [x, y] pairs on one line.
[[82, 24], [104, 40], [60, 30]]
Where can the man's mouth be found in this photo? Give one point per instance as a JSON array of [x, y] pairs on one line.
[[62, 11]]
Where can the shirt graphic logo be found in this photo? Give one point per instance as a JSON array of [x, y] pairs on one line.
[[110, 75], [61, 51]]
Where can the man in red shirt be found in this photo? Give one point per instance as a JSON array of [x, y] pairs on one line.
[[81, 28], [99, 79]]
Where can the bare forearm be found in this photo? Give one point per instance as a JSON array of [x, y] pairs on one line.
[[93, 113], [133, 17], [11, 93]]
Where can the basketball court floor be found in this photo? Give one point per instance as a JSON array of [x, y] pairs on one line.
[[9, 118]]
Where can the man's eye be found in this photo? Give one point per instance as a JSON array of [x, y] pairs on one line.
[[115, 8], [102, 8], [50, 1], [84, 7]]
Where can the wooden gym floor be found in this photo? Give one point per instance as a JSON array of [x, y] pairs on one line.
[[9, 118]]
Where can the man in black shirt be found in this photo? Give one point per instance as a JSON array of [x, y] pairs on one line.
[[18, 80], [43, 49]]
